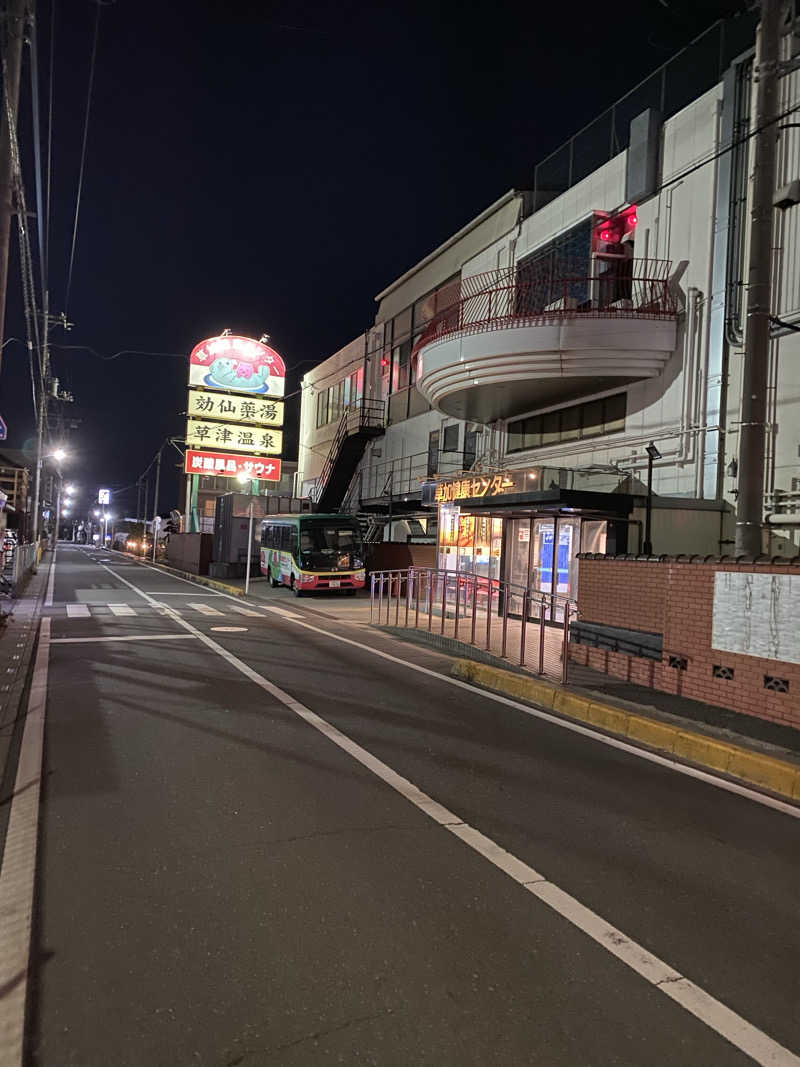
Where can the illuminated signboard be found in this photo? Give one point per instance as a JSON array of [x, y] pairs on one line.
[[233, 437], [246, 410], [477, 487], [238, 364], [225, 465]]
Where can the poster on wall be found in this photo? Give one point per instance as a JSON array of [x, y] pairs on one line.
[[757, 615]]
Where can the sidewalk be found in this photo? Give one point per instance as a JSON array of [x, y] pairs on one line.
[[17, 642]]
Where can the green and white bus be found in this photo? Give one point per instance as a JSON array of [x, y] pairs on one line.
[[308, 552]]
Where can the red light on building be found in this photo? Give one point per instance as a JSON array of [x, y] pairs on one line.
[[605, 235], [384, 362]]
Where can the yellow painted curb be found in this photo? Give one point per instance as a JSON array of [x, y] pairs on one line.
[[756, 769]]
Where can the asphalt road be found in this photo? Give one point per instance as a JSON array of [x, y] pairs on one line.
[[220, 883]]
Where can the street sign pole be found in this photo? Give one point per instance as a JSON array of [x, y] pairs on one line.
[[249, 545]]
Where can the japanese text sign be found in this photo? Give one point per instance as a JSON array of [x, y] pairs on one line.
[[246, 410], [475, 488], [238, 364], [225, 465], [232, 437]]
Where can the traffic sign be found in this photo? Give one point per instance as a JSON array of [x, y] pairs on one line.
[[3, 429]]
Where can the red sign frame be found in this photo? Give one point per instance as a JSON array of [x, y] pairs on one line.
[[230, 465]]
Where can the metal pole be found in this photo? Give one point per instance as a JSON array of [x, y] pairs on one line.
[[541, 636], [489, 618], [158, 481], [15, 22], [648, 514], [523, 628], [58, 508], [565, 646], [458, 598], [371, 595], [474, 608], [409, 580], [249, 546], [505, 622], [430, 599], [188, 523], [752, 428], [416, 593], [444, 598]]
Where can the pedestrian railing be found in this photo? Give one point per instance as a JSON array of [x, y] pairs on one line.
[[525, 626]]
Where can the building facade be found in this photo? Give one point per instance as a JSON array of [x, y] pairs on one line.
[[521, 371]]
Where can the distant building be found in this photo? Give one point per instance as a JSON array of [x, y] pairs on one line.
[[513, 379], [210, 487]]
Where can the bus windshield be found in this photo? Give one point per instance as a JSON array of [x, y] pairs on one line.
[[330, 546]]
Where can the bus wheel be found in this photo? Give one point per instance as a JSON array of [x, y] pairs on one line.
[[273, 582], [295, 590]]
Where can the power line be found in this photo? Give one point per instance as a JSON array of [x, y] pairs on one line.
[[50, 91], [83, 159]]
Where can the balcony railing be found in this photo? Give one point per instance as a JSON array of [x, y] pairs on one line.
[[549, 292]]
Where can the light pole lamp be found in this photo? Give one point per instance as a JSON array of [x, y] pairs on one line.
[[652, 455], [243, 479]]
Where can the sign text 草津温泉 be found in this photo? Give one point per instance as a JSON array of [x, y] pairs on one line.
[[245, 410], [233, 437], [476, 487], [225, 465]]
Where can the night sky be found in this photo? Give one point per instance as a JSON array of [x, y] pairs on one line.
[[270, 167]]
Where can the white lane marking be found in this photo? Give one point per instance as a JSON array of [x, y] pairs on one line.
[[121, 609], [538, 713], [160, 592], [51, 578], [716, 1015], [230, 629], [77, 611], [126, 637], [163, 609], [246, 611], [19, 865], [204, 609], [283, 612]]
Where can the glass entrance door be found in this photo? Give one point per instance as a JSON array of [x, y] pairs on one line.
[[518, 550]]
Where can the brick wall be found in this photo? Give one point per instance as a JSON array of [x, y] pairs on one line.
[[675, 597]]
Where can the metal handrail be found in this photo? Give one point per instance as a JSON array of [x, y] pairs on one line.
[[430, 590], [364, 414], [546, 293]]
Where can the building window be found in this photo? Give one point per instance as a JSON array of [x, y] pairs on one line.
[[573, 423], [433, 453], [322, 407], [401, 359], [470, 448], [450, 439]]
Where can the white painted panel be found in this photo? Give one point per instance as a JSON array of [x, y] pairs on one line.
[[757, 615]]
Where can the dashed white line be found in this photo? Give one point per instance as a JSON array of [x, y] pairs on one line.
[[716, 1015], [48, 600], [125, 637], [246, 611], [78, 611], [121, 609], [204, 609]]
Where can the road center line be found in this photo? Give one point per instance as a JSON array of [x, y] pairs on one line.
[[716, 1015], [19, 865]]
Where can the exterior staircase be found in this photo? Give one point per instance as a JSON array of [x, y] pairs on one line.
[[360, 423]]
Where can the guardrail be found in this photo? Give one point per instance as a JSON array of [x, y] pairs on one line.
[[527, 627]]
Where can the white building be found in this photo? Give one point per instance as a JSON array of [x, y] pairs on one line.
[[516, 375]]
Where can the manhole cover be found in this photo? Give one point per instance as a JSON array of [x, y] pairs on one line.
[[229, 629]]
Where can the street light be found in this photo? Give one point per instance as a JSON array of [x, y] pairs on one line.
[[69, 489], [652, 455], [243, 479]]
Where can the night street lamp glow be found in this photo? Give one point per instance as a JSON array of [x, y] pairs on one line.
[[60, 453]]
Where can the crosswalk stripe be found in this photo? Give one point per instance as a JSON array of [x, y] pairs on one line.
[[245, 611], [121, 609], [77, 611], [205, 609]]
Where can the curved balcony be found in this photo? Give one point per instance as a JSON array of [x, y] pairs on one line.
[[529, 339]]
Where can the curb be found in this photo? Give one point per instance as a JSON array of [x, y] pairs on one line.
[[752, 768], [197, 579]]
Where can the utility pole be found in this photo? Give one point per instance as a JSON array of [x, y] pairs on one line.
[[752, 429], [158, 480], [14, 20]]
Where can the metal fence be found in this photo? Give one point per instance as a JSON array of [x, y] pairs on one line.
[[683, 78], [524, 626]]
